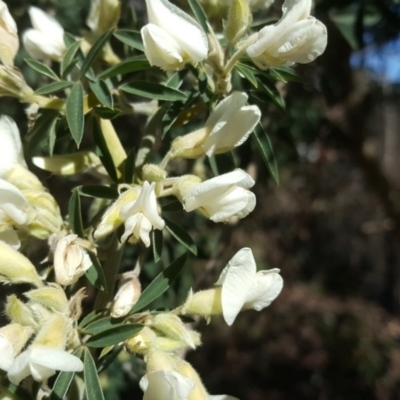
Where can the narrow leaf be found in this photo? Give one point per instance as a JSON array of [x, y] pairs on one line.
[[74, 113], [98, 191], [95, 274], [75, 214], [54, 87], [153, 91], [95, 51], [92, 384], [130, 37], [102, 325], [102, 92], [181, 236], [69, 58], [107, 113], [127, 66], [161, 283], [265, 147], [42, 69], [93, 316], [114, 336], [199, 14]]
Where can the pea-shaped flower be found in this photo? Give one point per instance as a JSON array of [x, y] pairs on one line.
[[172, 38], [45, 40], [296, 38], [228, 126], [42, 362], [141, 216], [222, 197]]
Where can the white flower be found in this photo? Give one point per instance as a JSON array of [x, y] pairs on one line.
[[126, 296], [222, 197], [71, 260], [11, 151], [295, 38], [9, 42], [172, 38], [14, 210], [42, 362], [244, 288], [166, 385], [7, 353], [230, 124], [141, 216], [46, 39]]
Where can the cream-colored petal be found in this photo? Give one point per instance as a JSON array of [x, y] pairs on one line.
[[179, 25], [10, 237], [45, 23], [237, 280], [265, 289], [41, 46], [11, 148], [13, 202]]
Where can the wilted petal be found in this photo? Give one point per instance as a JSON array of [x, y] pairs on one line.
[[266, 287], [166, 385], [237, 280]]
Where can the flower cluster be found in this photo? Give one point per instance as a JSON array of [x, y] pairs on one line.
[[212, 118]]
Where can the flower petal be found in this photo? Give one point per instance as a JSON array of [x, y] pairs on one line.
[[13, 202], [40, 45], [57, 359], [10, 237], [180, 26], [45, 23], [266, 287], [19, 369], [237, 279], [11, 148], [7, 353]]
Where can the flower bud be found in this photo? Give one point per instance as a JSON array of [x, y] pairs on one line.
[[12, 84], [53, 333], [127, 296], [9, 42], [239, 20], [153, 173], [157, 360], [204, 303], [103, 15], [142, 342], [172, 327], [18, 312], [16, 268], [51, 297]]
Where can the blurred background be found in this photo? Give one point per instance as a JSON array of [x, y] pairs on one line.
[[332, 225]]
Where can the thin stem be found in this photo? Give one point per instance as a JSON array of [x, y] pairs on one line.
[[239, 53], [166, 160]]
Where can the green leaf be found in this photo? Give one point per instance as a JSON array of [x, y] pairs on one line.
[[247, 73], [157, 244], [107, 113], [130, 37], [127, 66], [95, 51], [64, 380], [129, 167], [52, 136], [75, 214], [284, 74], [181, 236], [265, 147], [103, 151], [41, 130], [114, 335], [54, 87], [153, 91], [74, 113], [42, 69], [161, 283], [93, 316], [69, 58], [199, 14], [102, 325], [92, 384], [95, 274], [102, 92], [222, 163], [98, 191]]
